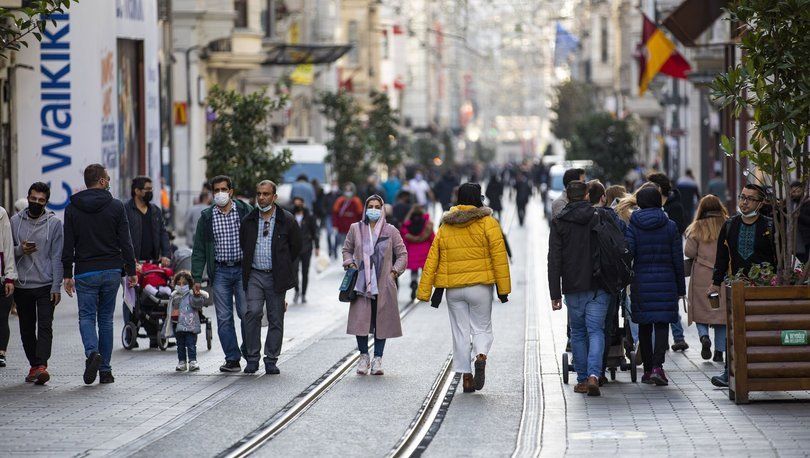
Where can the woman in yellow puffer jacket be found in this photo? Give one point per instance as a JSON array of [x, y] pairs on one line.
[[466, 258]]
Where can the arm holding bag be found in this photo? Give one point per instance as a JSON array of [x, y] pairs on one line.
[[347, 293]]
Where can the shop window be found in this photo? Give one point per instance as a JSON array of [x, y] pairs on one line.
[[241, 9]]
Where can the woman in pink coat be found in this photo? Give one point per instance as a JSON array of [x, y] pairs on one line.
[[375, 249], [417, 232]]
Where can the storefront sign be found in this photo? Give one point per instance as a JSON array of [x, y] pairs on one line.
[[794, 337]]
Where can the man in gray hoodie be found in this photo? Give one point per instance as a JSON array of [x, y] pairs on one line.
[[37, 236]]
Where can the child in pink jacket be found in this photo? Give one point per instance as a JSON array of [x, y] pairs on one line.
[[417, 233]]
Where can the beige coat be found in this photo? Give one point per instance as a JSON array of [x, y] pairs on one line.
[[388, 323], [700, 311]]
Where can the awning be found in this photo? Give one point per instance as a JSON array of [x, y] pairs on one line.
[[285, 54], [692, 18]]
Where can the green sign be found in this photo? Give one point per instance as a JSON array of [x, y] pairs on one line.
[[794, 337]]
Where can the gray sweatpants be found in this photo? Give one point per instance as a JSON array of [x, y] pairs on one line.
[[260, 293]]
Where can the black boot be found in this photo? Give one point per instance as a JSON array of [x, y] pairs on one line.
[[718, 356], [706, 351]]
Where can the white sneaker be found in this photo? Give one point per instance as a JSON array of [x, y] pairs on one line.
[[193, 366], [181, 367], [362, 365], [376, 366]]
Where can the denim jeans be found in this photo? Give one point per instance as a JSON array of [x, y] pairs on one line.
[[227, 284], [186, 346], [96, 295], [719, 334], [677, 330], [586, 316]]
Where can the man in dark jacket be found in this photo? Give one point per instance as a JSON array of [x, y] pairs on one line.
[[746, 239], [328, 203], [444, 189], [217, 251], [569, 260], [271, 240], [150, 240], [309, 239], [674, 210], [97, 242], [523, 192]]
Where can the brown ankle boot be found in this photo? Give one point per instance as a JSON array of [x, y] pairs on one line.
[[468, 383], [480, 367]]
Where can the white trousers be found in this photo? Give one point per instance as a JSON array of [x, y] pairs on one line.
[[470, 312]]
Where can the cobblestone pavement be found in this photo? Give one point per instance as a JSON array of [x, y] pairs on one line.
[[153, 411]]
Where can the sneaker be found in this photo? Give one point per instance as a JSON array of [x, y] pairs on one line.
[[363, 365], [31, 377], [718, 356], [193, 366], [593, 386], [645, 379], [468, 383], [680, 346], [181, 366], [251, 367], [581, 387], [376, 366], [230, 366], [658, 377], [91, 367], [721, 380], [706, 351], [106, 377], [270, 368], [2, 360], [42, 376], [480, 371]]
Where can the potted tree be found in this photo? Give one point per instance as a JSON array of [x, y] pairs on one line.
[[769, 307]]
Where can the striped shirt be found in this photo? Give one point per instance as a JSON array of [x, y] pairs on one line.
[[263, 256]]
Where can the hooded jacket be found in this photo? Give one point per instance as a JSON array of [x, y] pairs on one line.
[[569, 254], [468, 250], [96, 234], [657, 251], [8, 271], [43, 267]]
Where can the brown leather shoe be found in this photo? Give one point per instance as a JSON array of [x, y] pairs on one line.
[[593, 386], [468, 383], [480, 367], [581, 388]]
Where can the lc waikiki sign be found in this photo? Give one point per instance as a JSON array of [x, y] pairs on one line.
[[79, 100]]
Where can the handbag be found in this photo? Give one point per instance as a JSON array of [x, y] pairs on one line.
[[687, 266], [347, 293], [436, 299]]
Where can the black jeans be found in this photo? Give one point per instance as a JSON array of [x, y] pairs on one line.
[[302, 262], [5, 309], [362, 341], [186, 346], [35, 310], [653, 356]]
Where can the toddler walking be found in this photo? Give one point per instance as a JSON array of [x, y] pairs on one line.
[[184, 311]]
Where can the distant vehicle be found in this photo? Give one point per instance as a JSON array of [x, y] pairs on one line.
[[555, 181], [308, 159]]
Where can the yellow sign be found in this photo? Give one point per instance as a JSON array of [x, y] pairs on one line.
[[303, 75]]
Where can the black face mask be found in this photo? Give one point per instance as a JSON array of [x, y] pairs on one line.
[[299, 208], [35, 209], [147, 196]]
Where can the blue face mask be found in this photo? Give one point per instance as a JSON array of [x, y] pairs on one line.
[[182, 289], [374, 214]]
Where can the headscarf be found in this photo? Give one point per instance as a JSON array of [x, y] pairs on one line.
[[366, 280]]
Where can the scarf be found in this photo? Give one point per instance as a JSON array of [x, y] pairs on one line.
[[366, 279]]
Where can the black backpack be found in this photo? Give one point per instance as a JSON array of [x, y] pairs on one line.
[[612, 259]]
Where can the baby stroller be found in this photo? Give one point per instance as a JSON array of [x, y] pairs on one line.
[[147, 302], [618, 343]]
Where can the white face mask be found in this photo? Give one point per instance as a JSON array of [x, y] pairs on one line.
[[751, 214], [221, 199]]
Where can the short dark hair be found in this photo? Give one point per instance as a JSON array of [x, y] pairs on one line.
[[93, 173], [576, 191], [572, 175], [303, 176], [470, 194], [139, 182], [595, 191], [184, 274], [221, 179], [797, 184], [41, 187], [662, 181], [755, 187]]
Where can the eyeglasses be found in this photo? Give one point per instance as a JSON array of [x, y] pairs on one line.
[[266, 229], [744, 198]]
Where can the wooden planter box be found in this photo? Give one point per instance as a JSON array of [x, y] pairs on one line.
[[757, 358]]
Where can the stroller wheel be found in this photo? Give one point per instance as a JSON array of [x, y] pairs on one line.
[[209, 334], [565, 368], [633, 367], [129, 335], [163, 343], [613, 375]]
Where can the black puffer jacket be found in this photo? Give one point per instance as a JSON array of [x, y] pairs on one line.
[[569, 253]]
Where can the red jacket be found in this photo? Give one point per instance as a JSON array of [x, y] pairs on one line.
[[344, 214]]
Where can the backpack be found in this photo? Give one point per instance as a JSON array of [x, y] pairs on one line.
[[612, 259]]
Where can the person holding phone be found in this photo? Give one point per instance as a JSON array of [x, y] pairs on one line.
[[38, 240]]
